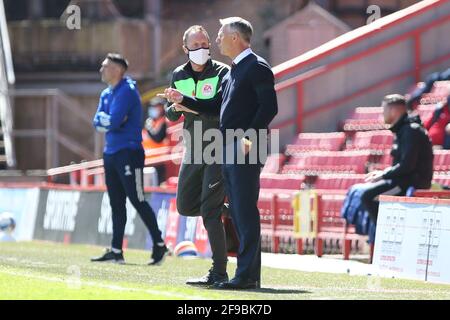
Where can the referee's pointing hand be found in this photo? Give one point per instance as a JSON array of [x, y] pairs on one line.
[[172, 95]]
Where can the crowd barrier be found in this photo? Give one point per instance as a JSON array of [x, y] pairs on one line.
[[71, 214], [74, 214]]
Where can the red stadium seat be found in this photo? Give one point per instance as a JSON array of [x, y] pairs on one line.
[[376, 141], [274, 163], [365, 118], [315, 163], [284, 222], [381, 162], [338, 181], [330, 224], [282, 181], [442, 178], [277, 220], [316, 142], [441, 160], [266, 206]]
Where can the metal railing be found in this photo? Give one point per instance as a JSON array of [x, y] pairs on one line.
[[297, 75], [55, 103]]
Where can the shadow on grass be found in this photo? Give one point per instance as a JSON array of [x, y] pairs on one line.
[[267, 290], [362, 260], [280, 291]]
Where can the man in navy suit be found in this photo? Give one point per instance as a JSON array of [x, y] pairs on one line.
[[248, 104]]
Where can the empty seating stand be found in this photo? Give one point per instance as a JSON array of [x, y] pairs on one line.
[[281, 181], [441, 160], [366, 118], [380, 162], [375, 141], [442, 179], [266, 206], [315, 163], [284, 224], [274, 163], [277, 220], [330, 224], [338, 181], [316, 142]]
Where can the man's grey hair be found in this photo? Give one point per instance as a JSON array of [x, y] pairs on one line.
[[239, 25]]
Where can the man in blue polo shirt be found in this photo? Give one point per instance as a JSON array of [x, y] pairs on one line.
[[119, 116]]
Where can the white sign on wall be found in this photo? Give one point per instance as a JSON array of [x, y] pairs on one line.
[[61, 210], [413, 238]]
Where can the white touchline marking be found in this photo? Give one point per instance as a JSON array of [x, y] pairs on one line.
[[101, 285], [183, 296]]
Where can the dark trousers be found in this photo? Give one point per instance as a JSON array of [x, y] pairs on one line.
[[124, 178], [201, 192], [370, 196], [242, 187]]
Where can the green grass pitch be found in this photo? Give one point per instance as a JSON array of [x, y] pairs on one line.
[[43, 270]]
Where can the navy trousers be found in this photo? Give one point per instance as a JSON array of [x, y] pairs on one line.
[[124, 178], [242, 188]]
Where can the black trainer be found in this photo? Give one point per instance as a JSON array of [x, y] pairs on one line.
[[209, 279], [158, 254], [110, 256]]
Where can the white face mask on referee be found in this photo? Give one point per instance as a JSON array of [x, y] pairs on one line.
[[199, 56]]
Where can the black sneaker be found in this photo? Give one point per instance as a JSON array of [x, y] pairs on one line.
[[110, 256], [208, 280], [158, 254]]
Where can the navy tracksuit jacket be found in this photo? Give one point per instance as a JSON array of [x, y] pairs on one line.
[[124, 156]]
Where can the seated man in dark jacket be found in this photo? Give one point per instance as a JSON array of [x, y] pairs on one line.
[[412, 157]]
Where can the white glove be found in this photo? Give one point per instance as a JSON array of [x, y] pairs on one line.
[[104, 118], [101, 129]]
